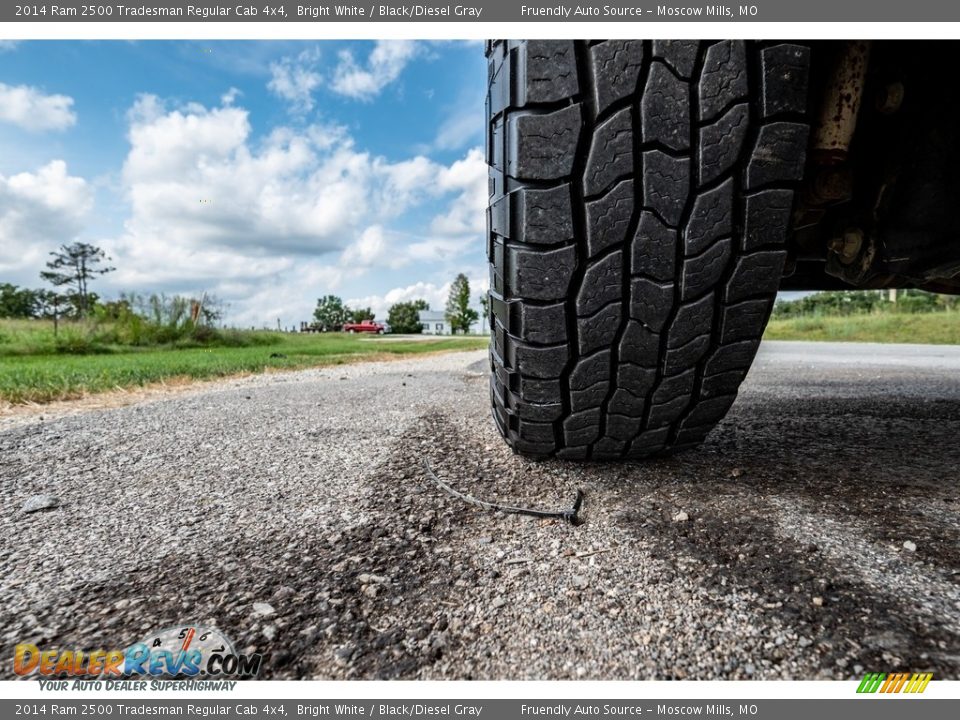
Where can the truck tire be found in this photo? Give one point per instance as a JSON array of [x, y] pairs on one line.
[[640, 197]]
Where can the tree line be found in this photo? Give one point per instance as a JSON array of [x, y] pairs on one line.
[[131, 319], [70, 271], [332, 313], [861, 302], [72, 268]]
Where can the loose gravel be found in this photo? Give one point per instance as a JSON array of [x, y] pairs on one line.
[[814, 535]]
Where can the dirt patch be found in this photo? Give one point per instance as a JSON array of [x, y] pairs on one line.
[[841, 621]]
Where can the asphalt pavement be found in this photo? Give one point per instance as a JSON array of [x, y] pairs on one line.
[[816, 534]]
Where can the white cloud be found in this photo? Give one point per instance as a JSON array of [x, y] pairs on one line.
[[383, 66], [8, 45], [375, 247], [450, 233], [289, 297], [270, 224], [31, 109], [230, 96], [194, 174], [38, 212], [467, 177], [436, 295], [295, 78]]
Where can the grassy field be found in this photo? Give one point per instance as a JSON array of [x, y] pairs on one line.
[[938, 328], [33, 368]]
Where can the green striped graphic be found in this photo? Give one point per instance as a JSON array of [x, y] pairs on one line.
[[871, 682]]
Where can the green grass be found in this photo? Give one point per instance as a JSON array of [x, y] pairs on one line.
[[936, 328], [33, 368], [37, 337]]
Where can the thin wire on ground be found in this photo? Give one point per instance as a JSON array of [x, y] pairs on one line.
[[570, 515]]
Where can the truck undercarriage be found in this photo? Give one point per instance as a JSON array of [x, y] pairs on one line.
[[877, 208]]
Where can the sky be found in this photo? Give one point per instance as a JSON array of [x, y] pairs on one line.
[[265, 173]]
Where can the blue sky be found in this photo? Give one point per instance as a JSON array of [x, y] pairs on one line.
[[268, 173]]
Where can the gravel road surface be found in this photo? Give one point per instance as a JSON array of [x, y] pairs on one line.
[[815, 535]]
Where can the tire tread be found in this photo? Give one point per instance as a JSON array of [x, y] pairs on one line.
[[640, 199]]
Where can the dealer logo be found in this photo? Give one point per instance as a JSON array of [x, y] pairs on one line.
[[183, 651], [190, 651]]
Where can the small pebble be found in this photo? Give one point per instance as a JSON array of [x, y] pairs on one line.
[[40, 502], [262, 608], [367, 579]]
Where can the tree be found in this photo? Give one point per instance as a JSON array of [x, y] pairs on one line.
[[17, 302], [360, 314], [459, 313], [485, 307], [52, 306], [74, 267], [330, 313], [404, 317], [212, 310]]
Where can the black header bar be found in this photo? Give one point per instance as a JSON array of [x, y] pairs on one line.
[[634, 11]]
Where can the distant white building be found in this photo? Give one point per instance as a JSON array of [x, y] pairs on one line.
[[434, 322]]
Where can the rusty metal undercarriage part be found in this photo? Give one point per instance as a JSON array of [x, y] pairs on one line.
[[841, 104], [829, 174]]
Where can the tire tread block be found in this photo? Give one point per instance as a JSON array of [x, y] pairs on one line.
[[680, 55], [785, 69], [665, 109], [723, 79], [602, 284], [549, 71], [617, 65], [546, 216], [710, 220], [542, 275], [721, 143], [548, 145], [654, 249], [608, 218], [666, 181], [611, 153]]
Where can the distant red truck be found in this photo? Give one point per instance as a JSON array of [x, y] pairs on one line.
[[367, 326]]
